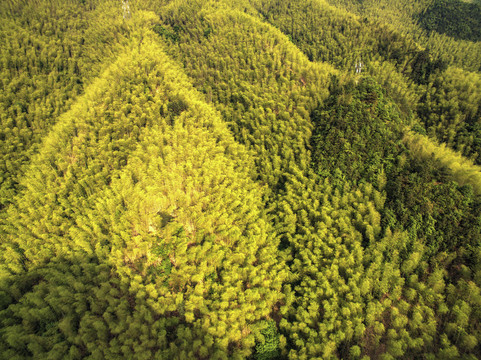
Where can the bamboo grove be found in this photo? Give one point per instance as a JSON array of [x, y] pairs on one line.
[[243, 179]]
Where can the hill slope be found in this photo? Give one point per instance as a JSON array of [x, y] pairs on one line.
[[214, 179]]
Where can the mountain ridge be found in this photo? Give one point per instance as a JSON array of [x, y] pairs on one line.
[[222, 183]]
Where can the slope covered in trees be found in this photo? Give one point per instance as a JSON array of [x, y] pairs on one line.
[[406, 17], [457, 19], [44, 66], [144, 180], [218, 180]]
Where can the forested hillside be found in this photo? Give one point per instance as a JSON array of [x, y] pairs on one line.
[[246, 179]]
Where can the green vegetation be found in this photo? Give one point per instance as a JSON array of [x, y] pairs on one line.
[[257, 179], [455, 18]]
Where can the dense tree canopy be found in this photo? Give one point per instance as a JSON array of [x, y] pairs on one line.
[[243, 179], [459, 19]]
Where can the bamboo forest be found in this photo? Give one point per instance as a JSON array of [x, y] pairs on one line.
[[240, 179]]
